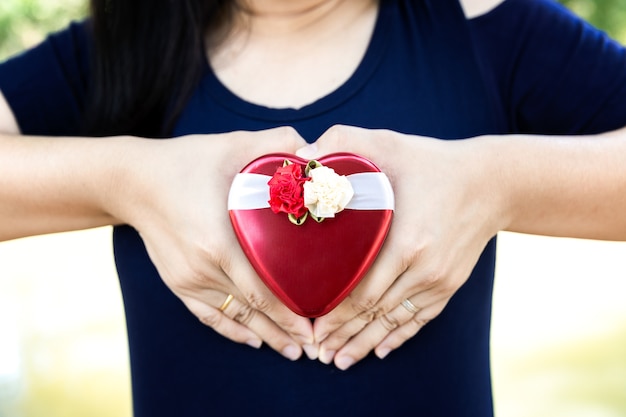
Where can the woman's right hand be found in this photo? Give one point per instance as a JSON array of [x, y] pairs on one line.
[[175, 194]]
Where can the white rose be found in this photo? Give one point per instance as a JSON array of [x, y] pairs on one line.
[[327, 192]]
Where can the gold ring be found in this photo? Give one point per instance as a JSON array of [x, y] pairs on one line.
[[411, 308], [226, 302]]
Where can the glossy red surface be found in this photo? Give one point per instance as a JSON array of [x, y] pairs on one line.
[[311, 268]]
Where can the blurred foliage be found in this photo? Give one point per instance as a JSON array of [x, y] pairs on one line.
[[609, 15], [25, 22]]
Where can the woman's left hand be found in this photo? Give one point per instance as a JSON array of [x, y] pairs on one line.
[[447, 209]]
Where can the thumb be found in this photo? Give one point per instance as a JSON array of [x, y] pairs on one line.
[[341, 138], [281, 139], [309, 151], [337, 138]]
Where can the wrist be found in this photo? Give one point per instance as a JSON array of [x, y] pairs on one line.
[[490, 181], [116, 191]]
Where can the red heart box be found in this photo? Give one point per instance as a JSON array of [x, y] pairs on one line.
[[311, 267]]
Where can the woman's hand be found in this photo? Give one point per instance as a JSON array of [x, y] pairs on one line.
[[446, 212], [176, 197]]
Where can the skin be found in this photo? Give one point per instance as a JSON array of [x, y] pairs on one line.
[[51, 185], [517, 183], [566, 186], [334, 33]]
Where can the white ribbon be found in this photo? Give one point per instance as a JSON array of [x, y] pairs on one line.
[[372, 191]]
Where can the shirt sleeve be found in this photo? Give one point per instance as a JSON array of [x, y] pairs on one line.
[[46, 85], [555, 73]]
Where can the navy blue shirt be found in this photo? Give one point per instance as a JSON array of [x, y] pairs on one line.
[[528, 66]]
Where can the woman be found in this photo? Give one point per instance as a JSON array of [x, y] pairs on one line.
[[374, 78]]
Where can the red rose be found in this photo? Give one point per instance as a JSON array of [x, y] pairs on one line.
[[287, 191]]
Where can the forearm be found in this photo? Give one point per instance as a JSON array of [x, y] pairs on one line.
[[58, 184], [560, 186]]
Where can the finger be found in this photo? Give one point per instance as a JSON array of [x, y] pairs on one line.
[[340, 138], [386, 319], [420, 308], [283, 139], [338, 338], [371, 337], [397, 337], [260, 298], [275, 337], [228, 316], [225, 326], [347, 319], [428, 285], [365, 341], [364, 304], [336, 328]]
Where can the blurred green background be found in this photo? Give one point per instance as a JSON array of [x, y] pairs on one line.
[[24, 22], [559, 351]]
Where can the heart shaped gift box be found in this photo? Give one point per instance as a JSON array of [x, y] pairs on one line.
[[311, 267]]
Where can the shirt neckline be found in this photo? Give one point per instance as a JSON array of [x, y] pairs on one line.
[[370, 61]]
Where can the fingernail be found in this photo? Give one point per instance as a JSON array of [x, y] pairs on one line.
[[382, 353], [326, 356], [307, 152], [255, 343], [344, 362], [311, 351], [291, 352]]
